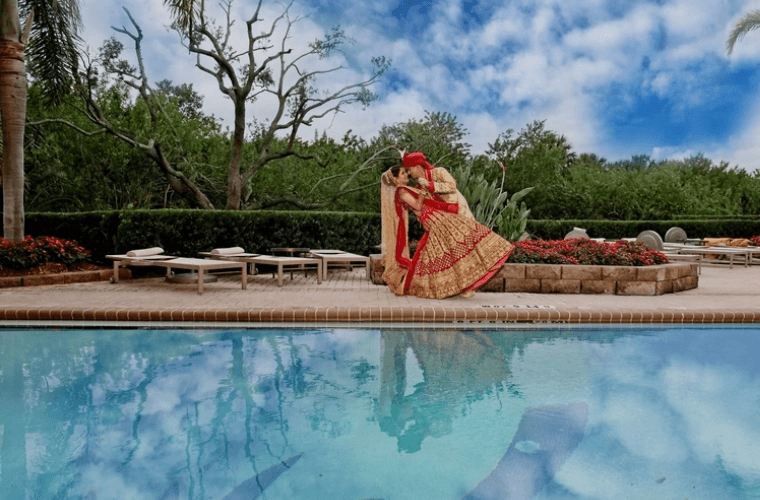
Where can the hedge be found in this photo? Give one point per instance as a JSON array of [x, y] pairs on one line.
[[614, 229], [187, 232]]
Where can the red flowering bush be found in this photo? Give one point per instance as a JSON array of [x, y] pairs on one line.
[[32, 252], [587, 252]]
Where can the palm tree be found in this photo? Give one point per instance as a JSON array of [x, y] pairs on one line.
[[750, 21], [51, 31]]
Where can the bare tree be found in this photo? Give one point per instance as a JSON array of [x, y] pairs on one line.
[[267, 66], [137, 79]]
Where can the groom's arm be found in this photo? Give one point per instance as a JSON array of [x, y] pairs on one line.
[[443, 182]]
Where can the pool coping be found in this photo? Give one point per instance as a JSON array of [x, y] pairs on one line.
[[377, 314], [724, 296]]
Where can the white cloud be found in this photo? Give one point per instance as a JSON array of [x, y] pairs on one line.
[[719, 408], [502, 27], [615, 38], [544, 59]]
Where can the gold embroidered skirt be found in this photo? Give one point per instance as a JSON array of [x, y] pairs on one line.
[[456, 255]]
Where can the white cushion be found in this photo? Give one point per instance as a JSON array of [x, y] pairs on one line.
[[227, 251], [144, 252]]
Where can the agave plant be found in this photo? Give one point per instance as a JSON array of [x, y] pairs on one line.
[[491, 205]]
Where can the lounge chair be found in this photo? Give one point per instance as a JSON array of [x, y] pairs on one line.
[[722, 251], [282, 263], [155, 257], [236, 254], [331, 257], [675, 255]]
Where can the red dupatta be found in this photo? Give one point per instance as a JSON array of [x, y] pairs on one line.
[[410, 264]]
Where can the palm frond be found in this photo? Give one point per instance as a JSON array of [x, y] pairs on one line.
[[750, 22], [184, 12], [54, 45]]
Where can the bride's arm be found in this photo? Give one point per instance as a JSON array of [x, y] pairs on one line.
[[413, 201]]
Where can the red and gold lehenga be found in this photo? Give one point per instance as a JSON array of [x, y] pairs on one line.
[[455, 255]]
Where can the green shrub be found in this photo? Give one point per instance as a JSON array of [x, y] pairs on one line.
[[491, 205], [95, 230], [547, 229], [187, 232], [32, 252]]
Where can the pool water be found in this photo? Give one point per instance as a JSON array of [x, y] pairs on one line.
[[341, 413]]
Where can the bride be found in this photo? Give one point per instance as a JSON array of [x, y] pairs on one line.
[[455, 255]]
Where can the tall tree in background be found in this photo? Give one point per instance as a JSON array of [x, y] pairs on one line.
[[51, 31], [750, 21], [268, 68], [439, 135]]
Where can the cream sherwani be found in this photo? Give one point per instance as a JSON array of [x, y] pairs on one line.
[[444, 185]]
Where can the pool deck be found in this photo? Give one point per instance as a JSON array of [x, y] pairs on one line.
[[724, 295]]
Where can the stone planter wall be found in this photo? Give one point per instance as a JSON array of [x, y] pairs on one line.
[[63, 278], [561, 278]]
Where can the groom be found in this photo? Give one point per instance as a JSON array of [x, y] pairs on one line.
[[435, 180]]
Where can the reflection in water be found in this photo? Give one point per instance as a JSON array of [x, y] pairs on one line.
[[456, 366], [252, 488], [358, 414]]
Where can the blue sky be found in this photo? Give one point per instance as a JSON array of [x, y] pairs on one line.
[[616, 78]]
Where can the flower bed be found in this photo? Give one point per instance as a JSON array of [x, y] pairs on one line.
[[585, 267], [581, 251], [33, 252], [47, 261]]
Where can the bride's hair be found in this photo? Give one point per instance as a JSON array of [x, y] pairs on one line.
[[389, 176]]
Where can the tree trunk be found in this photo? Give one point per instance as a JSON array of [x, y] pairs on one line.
[[13, 112], [234, 179], [177, 180]]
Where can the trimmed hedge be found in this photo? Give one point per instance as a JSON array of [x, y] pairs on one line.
[[187, 232], [613, 229], [95, 231]]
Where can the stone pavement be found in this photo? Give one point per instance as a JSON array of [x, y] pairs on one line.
[[724, 295]]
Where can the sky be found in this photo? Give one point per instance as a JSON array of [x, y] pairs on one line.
[[615, 78]]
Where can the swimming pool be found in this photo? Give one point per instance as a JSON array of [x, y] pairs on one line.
[[392, 413]]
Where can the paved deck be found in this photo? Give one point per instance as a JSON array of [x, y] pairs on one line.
[[723, 296]]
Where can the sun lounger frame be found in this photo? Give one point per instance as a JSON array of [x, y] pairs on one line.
[[170, 262], [338, 257], [731, 252], [283, 263]]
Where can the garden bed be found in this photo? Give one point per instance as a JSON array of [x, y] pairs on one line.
[[656, 279], [614, 280], [58, 275]]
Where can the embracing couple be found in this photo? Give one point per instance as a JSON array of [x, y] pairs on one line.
[[455, 255]]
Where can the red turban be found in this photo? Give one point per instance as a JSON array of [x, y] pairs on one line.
[[413, 159]]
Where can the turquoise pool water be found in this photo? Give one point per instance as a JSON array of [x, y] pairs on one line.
[[340, 413]]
